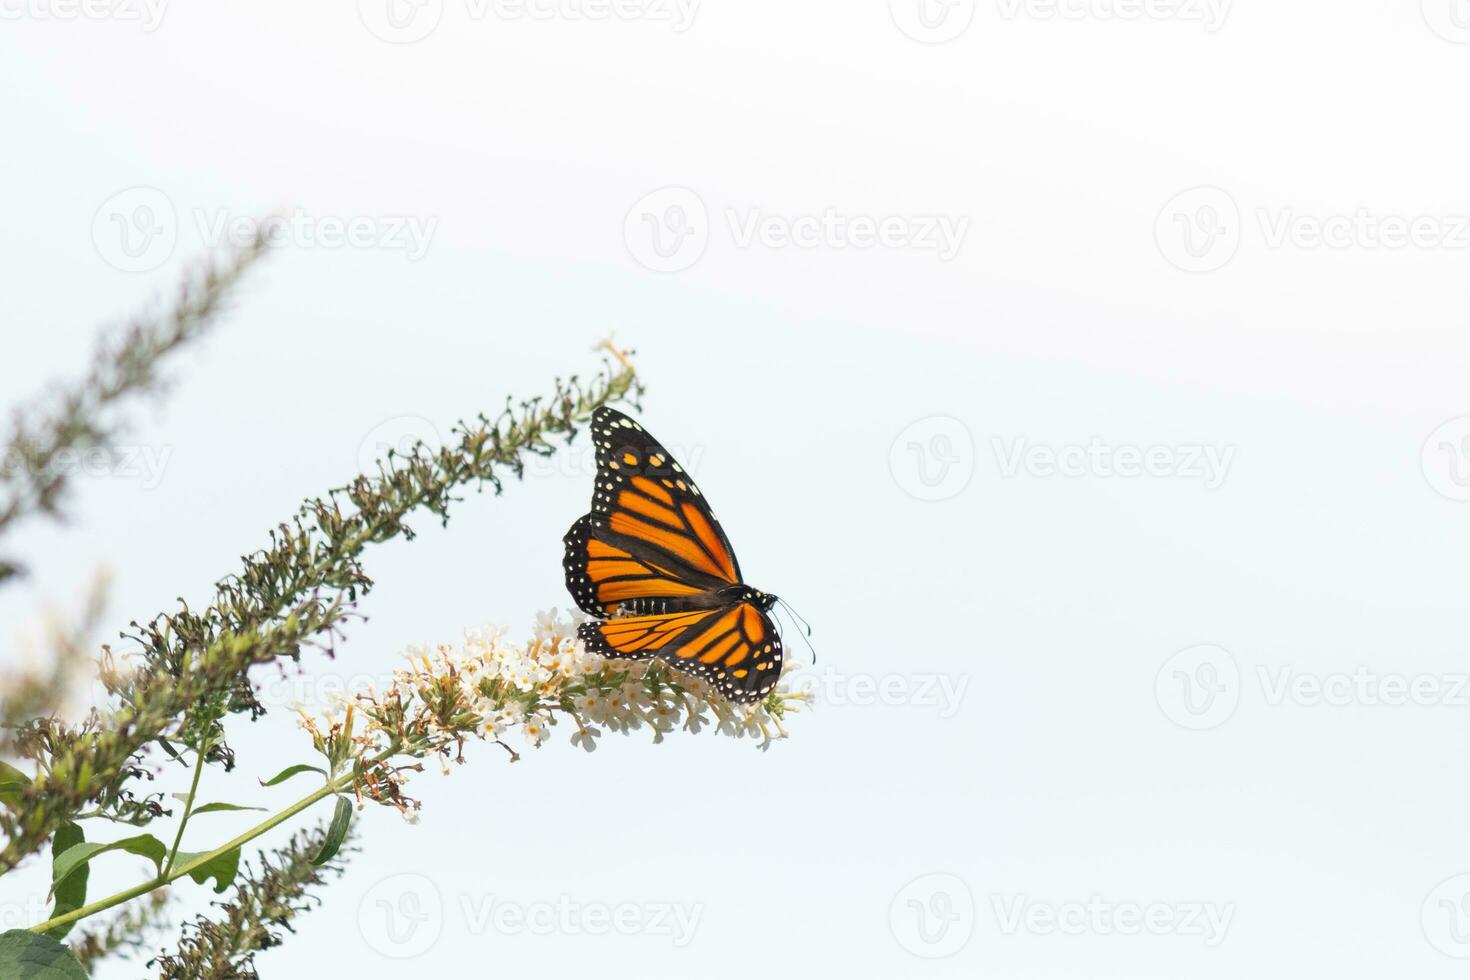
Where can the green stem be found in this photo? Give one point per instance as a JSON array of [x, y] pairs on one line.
[[331, 787], [173, 852]]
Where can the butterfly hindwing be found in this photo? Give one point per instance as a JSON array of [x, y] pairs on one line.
[[642, 637], [735, 648]]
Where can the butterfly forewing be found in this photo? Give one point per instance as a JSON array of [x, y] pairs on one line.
[[651, 534]]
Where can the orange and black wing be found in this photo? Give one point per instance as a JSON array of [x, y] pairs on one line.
[[650, 536], [735, 648]]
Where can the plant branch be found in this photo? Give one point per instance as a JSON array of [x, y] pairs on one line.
[[329, 788], [266, 900], [299, 592], [188, 808], [33, 478]]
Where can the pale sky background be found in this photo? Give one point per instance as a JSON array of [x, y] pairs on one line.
[[1102, 693]]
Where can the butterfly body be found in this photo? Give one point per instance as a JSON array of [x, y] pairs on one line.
[[652, 563], [720, 599]]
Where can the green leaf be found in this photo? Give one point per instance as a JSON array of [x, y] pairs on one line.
[[290, 771], [336, 831], [222, 808], [221, 868], [71, 894], [26, 955], [212, 807], [12, 782], [74, 857]]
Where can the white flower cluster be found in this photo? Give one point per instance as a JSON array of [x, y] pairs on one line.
[[489, 687], [531, 686]]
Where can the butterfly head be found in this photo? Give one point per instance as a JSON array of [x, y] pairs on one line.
[[744, 593], [761, 600]]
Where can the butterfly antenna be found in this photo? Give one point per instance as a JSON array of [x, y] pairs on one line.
[[806, 629]]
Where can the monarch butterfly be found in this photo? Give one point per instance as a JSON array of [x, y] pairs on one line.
[[653, 565]]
